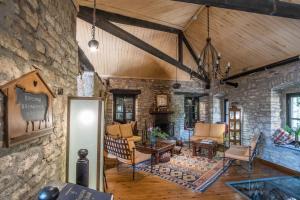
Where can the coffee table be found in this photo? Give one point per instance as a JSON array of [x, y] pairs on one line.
[[157, 150], [210, 147]]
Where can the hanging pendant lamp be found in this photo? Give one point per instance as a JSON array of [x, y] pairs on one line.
[[210, 58], [93, 43]]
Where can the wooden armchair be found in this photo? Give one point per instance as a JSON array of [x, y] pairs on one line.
[[124, 151], [244, 153]]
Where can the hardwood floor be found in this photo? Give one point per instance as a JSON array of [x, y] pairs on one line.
[[148, 187]]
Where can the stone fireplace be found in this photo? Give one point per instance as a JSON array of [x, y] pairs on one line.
[[163, 121]]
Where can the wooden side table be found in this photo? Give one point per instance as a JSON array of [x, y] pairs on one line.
[[210, 147]]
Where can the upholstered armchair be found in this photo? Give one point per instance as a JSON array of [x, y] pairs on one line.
[[124, 151]]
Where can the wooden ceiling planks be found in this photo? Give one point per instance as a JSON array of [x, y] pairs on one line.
[[166, 12], [117, 58], [247, 40]]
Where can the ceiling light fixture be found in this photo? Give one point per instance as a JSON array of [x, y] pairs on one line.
[[210, 58], [93, 43]]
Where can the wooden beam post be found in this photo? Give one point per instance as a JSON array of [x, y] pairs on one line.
[[114, 17], [266, 7], [180, 49], [189, 47], [107, 26]]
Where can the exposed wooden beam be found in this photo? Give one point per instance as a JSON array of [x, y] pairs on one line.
[[125, 91], [266, 7], [191, 50], [264, 68], [180, 49], [84, 62], [114, 17], [107, 26]]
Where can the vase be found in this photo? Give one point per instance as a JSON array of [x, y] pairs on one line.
[[153, 140]]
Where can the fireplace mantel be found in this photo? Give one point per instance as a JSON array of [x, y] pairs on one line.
[[161, 112]]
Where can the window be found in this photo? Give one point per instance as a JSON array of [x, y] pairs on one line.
[[226, 111], [191, 109], [124, 108], [293, 110]]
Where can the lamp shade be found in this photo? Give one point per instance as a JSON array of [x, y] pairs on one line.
[[93, 44]]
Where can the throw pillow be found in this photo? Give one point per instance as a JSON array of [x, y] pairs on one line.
[[113, 130], [280, 136], [126, 130]]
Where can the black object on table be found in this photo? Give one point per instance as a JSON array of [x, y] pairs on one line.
[[48, 193], [73, 191]]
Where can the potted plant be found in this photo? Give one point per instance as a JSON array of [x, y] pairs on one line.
[[156, 133]]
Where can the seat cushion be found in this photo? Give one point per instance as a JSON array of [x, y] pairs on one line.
[[126, 130], [195, 138], [113, 130], [198, 138], [201, 129], [139, 157], [135, 138], [217, 130], [238, 153]]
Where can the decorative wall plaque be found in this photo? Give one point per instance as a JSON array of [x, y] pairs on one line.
[[29, 104]]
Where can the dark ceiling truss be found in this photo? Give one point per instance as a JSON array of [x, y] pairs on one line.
[[266, 7], [84, 63], [264, 68], [103, 19]]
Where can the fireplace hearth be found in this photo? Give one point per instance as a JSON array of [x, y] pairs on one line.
[[162, 120]]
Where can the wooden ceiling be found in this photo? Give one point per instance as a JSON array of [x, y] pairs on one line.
[[117, 58], [247, 40], [166, 12]]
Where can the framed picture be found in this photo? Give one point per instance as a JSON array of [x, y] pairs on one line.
[[162, 100]]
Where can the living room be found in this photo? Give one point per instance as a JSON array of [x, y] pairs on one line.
[[172, 99]]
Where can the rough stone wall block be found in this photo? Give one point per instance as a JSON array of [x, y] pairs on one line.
[[40, 33]]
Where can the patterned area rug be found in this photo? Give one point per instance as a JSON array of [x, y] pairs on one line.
[[193, 172]]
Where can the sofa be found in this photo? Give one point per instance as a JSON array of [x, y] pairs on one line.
[[123, 131], [208, 131]]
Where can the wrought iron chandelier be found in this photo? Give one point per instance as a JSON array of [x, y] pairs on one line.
[[210, 58], [93, 43]]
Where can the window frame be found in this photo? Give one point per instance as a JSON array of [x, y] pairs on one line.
[[195, 108], [225, 109], [115, 96], [289, 96]]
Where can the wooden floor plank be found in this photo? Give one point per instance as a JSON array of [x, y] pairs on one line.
[[148, 187]]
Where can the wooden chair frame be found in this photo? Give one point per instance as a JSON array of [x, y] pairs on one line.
[[252, 154], [119, 147]]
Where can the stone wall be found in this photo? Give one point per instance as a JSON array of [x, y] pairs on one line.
[[41, 34], [149, 89], [260, 96]]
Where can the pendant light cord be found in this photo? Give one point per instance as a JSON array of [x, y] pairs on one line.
[[94, 20], [208, 27], [176, 57]]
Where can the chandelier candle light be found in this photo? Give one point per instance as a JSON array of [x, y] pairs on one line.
[[210, 58], [93, 43]]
